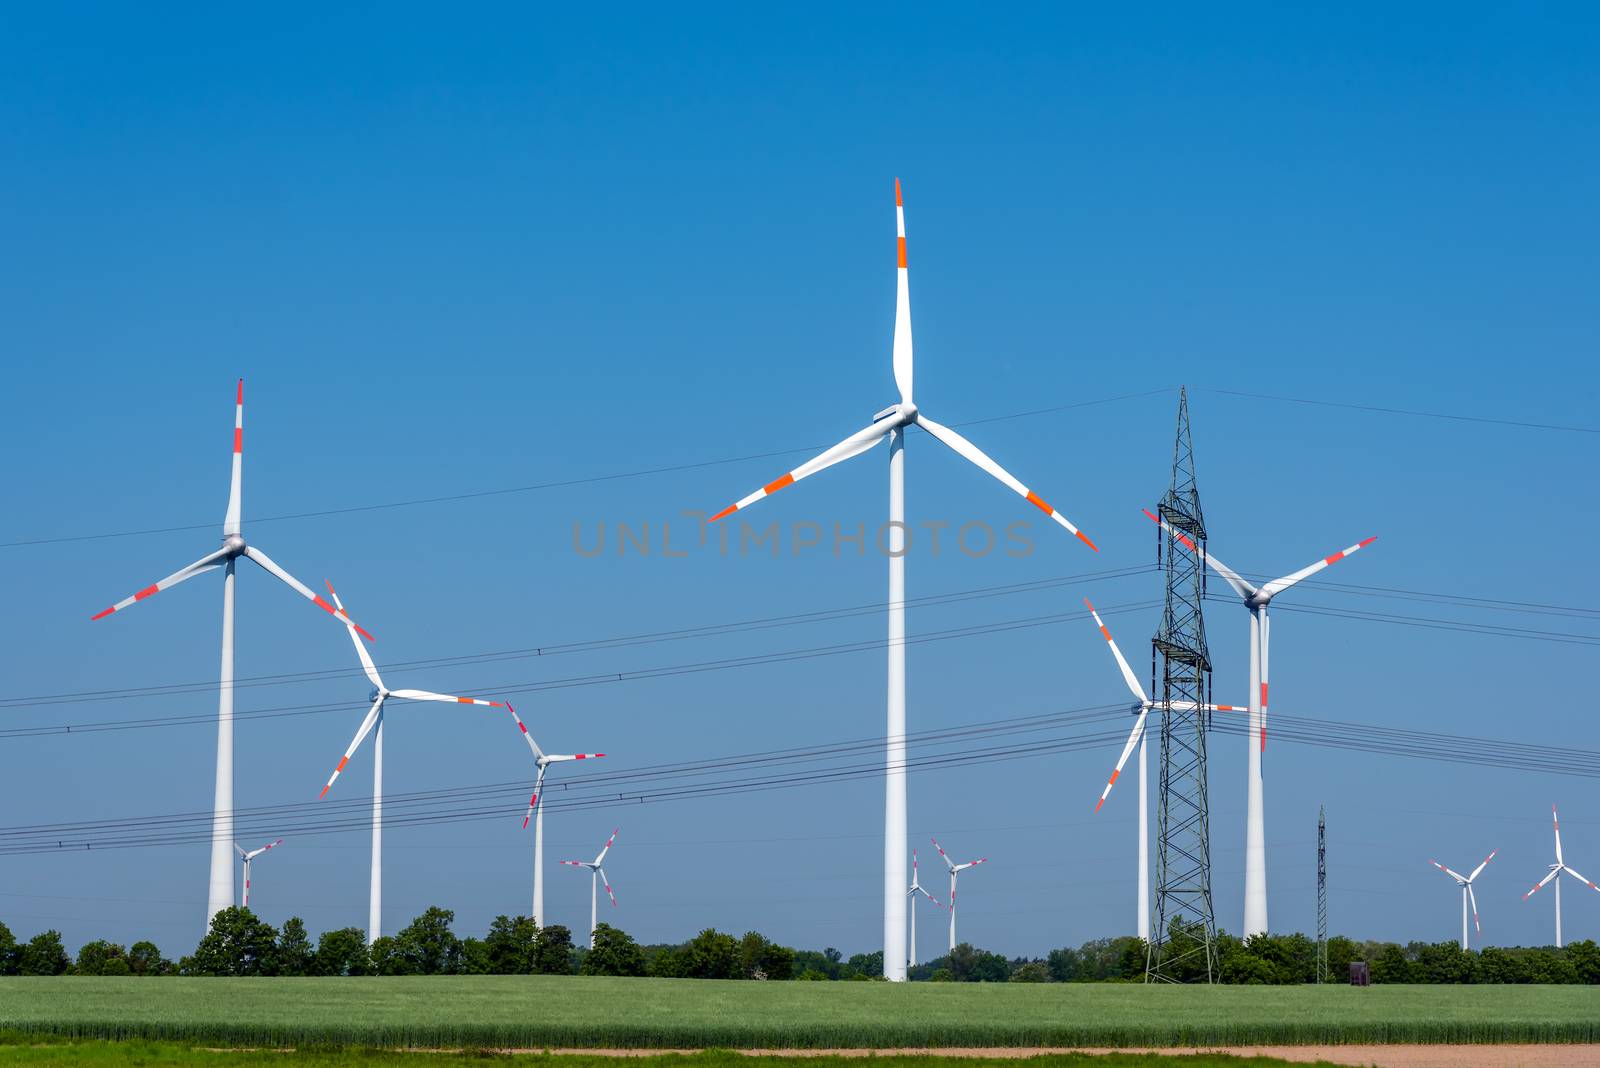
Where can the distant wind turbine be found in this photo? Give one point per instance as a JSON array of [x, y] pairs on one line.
[[955, 869], [247, 858], [1465, 882], [597, 875], [1555, 870], [374, 721], [912, 891], [542, 762]]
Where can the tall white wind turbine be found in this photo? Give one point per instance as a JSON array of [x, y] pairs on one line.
[[1555, 870], [891, 424], [1256, 599], [1465, 882], [597, 875], [373, 724], [542, 762], [1137, 737], [911, 892], [247, 857], [955, 869], [219, 893]]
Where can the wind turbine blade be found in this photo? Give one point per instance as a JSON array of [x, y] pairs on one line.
[[1127, 751], [576, 863], [972, 863], [361, 733], [943, 856], [902, 306], [299, 587], [557, 758], [533, 802], [1536, 886], [429, 695], [240, 850], [607, 848], [1474, 899], [209, 562], [854, 445], [1580, 878], [271, 845], [1127, 672], [607, 883], [1277, 586], [1448, 871], [355, 639], [982, 460], [1229, 575], [538, 754], [1480, 867], [230, 522], [1556, 821], [929, 896]]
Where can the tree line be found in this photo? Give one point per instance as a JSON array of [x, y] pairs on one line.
[[241, 944]]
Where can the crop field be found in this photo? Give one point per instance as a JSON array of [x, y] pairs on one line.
[[561, 1011]]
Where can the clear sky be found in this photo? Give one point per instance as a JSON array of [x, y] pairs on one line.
[[454, 254]]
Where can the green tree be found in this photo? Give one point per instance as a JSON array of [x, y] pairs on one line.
[[942, 975], [509, 945], [145, 959], [1063, 964], [552, 951], [972, 965], [116, 966], [237, 944], [1585, 958], [387, 958], [614, 953], [709, 955], [93, 958], [43, 954], [9, 951], [295, 952], [426, 946], [342, 952], [866, 965], [1391, 965], [1033, 971]]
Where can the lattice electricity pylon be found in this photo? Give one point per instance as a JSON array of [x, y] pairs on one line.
[[1322, 895], [1183, 935]]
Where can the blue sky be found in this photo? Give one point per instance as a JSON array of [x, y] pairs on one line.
[[450, 256]]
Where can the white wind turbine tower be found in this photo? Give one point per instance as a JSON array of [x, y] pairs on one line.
[[220, 890], [891, 423], [911, 892], [1256, 599], [374, 722], [1137, 737], [955, 869], [597, 875], [542, 762], [1555, 870], [1465, 882], [247, 857]]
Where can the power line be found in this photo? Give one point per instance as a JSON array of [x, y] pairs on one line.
[[1411, 412], [452, 498]]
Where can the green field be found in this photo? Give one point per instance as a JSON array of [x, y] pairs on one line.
[[148, 1054], [563, 1011]]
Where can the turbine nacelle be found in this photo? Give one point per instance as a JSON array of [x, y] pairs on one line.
[[234, 544]]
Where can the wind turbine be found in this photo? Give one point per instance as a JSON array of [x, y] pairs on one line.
[[1465, 882], [1137, 736], [891, 423], [247, 858], [1256, 599], [220, 889], [1555, 870], [912, 891], [597, 875], [374, 721], [955, 869], [542, 762]]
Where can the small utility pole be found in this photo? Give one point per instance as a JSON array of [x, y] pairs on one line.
[[1322, 895]]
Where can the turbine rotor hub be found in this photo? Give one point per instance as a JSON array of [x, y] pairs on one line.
[[234, 543]]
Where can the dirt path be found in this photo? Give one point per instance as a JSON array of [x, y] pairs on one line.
[[1404, 1056]]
